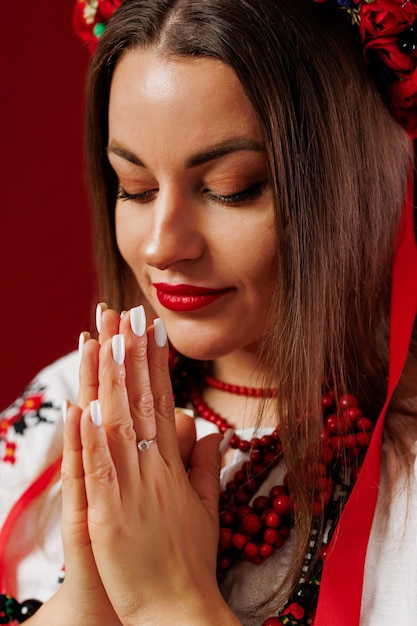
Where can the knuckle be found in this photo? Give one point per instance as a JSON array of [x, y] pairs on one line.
[[145, 404], [123, 432], [104, 474], [166, 404], [140, 353]]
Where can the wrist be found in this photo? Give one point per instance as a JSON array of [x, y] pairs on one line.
[[192, 611]]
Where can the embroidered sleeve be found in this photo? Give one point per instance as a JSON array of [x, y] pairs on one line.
[[31, 409]]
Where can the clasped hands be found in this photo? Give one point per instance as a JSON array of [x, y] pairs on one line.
[[139, 528]]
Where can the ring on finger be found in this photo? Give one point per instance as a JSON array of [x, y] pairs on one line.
[[145, 444]]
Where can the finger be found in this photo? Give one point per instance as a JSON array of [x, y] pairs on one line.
[[162, 392], [100, 475], [116, 415], [75, 537], [138, 383], [186, 434], [107, 322], [204, 472], [88, 372]]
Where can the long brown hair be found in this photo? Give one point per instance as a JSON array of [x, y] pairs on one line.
[[338, 165]]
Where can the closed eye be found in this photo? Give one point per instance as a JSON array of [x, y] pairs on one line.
[[239, 197], [143, 196]]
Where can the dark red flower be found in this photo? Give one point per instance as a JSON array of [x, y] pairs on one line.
[[382, 18]]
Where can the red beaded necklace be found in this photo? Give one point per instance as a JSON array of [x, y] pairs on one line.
[[252, 529]]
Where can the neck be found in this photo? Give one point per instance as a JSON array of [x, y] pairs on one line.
[[239, 368]]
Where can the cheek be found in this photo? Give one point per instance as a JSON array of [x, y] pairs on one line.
[[255, 254], [127, 238]]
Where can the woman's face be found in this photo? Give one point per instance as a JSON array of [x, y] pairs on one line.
[[194, 215]]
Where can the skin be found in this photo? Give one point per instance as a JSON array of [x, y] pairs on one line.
[[182, 230], [165, 118]]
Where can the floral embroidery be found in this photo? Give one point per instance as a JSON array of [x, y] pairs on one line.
[[30, 409]]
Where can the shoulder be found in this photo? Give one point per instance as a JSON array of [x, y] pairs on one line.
[[31, 427]]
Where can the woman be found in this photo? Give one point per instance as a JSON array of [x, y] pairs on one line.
[[243, 200]]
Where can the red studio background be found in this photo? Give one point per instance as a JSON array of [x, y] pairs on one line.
[[47, 285]]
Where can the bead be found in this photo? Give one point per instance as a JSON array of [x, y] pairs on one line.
[[241, 497], [261, 503], [9, 609], [272, 621], [257, 531], [98, 29], [225, 538], [29, 608], [363, 439], [305, 594], [347, 401], [224, 562], [243, 511], [251, 524], [266, 550], [239, 541], [408, 40], [364, 424], [282, 504], [277, 490], [271, 536], [273, 520], [251, 550]]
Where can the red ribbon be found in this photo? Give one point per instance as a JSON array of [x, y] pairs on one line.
[[342, 580], [31, 493]]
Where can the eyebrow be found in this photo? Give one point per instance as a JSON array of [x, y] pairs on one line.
[[214, 152]]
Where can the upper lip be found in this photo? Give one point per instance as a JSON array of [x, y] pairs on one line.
[[187, 290]]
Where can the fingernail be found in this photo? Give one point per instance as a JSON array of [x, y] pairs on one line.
[[95, 412], [159, 332], [65, 406], [224, 444], [138, 321], [118, 348], [84, 336], [122, 314], [180, 409], [101, 307]]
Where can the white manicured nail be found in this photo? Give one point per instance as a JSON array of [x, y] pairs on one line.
[[224, 444], [118, 348], [138, 320], [95, 412], [65, 406], [102, 306], [84, 336], [159, 332]]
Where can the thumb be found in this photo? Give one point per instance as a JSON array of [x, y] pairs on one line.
[[204, 472]]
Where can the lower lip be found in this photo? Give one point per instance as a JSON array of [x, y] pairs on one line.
[[175, 302]]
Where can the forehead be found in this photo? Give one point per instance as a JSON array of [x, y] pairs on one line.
[[184, 99]]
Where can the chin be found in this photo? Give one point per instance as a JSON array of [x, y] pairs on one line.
[[200, 349]]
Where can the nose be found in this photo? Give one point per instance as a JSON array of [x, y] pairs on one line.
[[175, 233]]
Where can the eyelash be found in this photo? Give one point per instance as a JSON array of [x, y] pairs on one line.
[[240, 197]]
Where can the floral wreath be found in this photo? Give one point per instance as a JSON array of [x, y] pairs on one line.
[[387, 29]]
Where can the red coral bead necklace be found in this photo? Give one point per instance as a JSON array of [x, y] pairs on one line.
[[253, 528]]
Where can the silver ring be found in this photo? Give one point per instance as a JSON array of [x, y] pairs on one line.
[[145, 444]]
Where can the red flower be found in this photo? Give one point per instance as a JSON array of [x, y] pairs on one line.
[[382, 18], [31, 403], [403, 98], [294, 610], [9, 455], [90, 17]]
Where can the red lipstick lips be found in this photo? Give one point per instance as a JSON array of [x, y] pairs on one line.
[[186, 297]]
